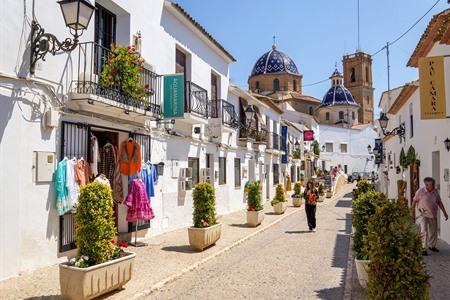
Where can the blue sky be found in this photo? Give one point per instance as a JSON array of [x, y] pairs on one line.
[[316, 34]]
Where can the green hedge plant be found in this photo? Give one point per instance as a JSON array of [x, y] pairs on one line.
[[297, 190], [95, 224], [363, 208], [280, 195], [204, 205], [254, 198], [396, 269], [361, 187]]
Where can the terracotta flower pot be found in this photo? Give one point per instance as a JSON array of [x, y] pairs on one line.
[[91, 282], [254, 218], [362, 270], [201, 238], [297, 202], [280, 208]]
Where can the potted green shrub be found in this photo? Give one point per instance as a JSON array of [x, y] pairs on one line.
[[297, 197], [206, 231], [363, 208], [255, 213], [394, 246], [279, 203], [321, 191], [101, 266]]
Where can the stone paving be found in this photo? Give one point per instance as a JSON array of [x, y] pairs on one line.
[[166, 255], [285, 262]]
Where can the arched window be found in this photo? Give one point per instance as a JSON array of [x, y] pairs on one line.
[[327, 116], [295, 85], [341, 115], [311, 110], [257, 85], [276, 84], [352, 75]]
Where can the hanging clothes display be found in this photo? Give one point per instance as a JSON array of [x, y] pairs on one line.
[[130, 157], [73, 189], [151, 178], [139, 208], [95, 155], [83, 173], [109, 166], [59, 181], [103, 180]]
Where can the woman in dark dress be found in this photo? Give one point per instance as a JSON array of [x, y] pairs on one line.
[[311, 195]]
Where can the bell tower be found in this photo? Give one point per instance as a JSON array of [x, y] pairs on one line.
[[358, 80]]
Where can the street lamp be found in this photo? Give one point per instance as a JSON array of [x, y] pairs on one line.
[[77, 14], [447, 144], [369, 148], [297, 145], [249, 115], [384, 120]]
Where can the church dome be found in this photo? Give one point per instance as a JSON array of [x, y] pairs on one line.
[[338, 94], [273, 62]]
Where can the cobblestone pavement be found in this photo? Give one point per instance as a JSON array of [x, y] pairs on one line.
[[438, 266], [284, 262]]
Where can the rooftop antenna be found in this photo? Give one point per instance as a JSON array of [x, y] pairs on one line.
[[359, 46]]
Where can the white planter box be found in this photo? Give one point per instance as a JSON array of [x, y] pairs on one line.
[[254, 218], [280, 208], [89, 283], [362, 270], [201, 238], [297, 202]]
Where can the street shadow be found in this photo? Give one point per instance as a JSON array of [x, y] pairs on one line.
[[272, 214], [344, 203], [348, 195], [245, 225], [339, 260], [179, 249], [50, 297], [298, 231]]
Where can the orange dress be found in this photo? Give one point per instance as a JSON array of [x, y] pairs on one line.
[[130, 157]]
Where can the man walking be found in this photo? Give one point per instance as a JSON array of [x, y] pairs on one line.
[[428, 202]]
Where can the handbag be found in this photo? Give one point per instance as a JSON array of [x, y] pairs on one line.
[[312, 199]]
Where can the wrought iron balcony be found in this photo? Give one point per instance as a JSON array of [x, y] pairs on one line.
[[262, 136], [197, 101], [92, 59], [226, 111]]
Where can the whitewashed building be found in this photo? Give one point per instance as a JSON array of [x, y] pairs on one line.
[[54, 112], [424, 138]]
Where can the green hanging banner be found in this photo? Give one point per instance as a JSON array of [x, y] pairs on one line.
[[173, 96]]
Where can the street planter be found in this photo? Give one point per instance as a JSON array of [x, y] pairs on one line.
[[280, 208], [329, 194], [254, 218], [362, 271], [202, 238], [297, 202], [97, 280]]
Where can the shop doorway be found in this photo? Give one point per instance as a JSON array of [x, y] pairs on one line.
[[414, 181]]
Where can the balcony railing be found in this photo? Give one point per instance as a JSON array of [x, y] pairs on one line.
[[226, 111], [197, 101], [262, 136], [92, 58]]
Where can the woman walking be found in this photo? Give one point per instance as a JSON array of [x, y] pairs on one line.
[[311, 196]]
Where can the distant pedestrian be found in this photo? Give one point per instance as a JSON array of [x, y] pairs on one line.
[[311, 195], [428, 202]]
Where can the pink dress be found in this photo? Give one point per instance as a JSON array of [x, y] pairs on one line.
[[139, 208]]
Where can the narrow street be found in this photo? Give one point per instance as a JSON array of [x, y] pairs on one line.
[[284, 262]]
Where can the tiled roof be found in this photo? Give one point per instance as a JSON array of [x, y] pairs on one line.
[[437, 30], [202, 30]]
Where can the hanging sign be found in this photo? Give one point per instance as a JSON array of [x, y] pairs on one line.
[[173, 96], [432, 88], [308, 135]]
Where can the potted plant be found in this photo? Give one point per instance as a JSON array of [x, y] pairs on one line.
[[363, 209], [302, 179], [329, 193], [255, 213], [297, 197], [100, 266], [321, 192], [206, 231], [279, 203]]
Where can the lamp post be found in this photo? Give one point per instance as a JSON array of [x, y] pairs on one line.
[[77, 14], [447, 144], [249, 115], [384, 120]]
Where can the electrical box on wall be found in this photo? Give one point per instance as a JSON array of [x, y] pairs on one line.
[[51, 118], [175, 169], [44, 166]]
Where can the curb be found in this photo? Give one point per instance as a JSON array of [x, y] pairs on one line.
[[196, 265], [348, 286]]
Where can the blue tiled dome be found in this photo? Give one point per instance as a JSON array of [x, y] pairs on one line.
[[338, 95], [274, 61]]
